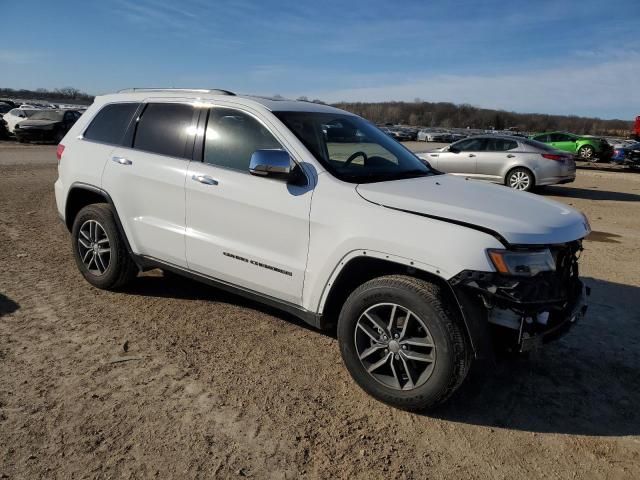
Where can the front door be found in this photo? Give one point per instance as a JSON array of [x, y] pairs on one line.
[[461, 156], [242, 229]]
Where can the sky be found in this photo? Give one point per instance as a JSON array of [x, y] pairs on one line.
[[561, 56]]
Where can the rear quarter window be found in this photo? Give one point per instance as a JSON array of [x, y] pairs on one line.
[[110, 124]]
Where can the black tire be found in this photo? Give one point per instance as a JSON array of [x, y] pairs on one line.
[[120, 269], [442, 319], [514, 179], [587, 153]]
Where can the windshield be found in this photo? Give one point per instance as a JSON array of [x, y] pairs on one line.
[[352, 149], [47, 115]]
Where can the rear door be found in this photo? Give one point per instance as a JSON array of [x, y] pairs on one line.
[[462, 160], [146, 178], [490, 164], [246, 230]]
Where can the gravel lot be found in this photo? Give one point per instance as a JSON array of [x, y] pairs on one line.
[[213, 385]]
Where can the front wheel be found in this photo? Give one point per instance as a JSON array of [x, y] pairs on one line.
[[520, 179], [403, 342]]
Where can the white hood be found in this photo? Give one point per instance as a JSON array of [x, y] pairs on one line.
[[519, 217]]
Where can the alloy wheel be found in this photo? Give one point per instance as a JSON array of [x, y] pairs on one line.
[[586, 152], [519, 180], [395, 346], [94, 247]]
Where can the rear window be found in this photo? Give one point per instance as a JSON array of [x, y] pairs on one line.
[[50, 115], [111, 123], [539, 145], [541, 138], [165, 129]]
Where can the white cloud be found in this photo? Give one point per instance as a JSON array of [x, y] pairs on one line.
[[609, 86]]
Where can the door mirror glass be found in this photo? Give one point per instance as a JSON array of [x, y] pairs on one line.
[[270, 163]]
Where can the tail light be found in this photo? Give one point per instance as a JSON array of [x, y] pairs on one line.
[[59, 151], [552, 156]]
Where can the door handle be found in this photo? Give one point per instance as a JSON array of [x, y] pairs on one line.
[[206, 179], [472, 155], [511, 155], [122, 160]]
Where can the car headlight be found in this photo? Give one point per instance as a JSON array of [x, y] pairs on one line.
[[524, 263]]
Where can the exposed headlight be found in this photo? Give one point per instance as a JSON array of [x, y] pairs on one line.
[[525, 264]]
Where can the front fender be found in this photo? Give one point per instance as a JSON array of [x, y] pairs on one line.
[[387, 257]]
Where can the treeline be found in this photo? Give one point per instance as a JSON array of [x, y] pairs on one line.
[[449, 115], [417, 113], [58, 95]]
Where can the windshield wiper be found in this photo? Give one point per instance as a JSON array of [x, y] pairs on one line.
[[369, 177], [417, 172]]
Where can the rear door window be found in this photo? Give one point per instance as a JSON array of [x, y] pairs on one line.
[[166, 129], [501, 145], [541, 138], [559, 137], [110, 124]]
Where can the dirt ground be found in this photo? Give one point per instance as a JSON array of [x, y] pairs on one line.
[[211, 385]]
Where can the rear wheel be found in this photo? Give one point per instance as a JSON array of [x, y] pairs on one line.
[[402, 342], [520, 179], [99, 249], [587, 152]]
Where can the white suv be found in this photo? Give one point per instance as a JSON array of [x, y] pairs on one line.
[[316, 211]]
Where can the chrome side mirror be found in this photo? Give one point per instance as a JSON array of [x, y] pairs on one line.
[[270, 163]]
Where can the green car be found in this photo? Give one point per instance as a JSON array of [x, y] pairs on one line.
[[587, 148]]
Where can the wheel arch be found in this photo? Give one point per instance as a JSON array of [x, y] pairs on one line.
[[363, 268], [523, 166], [82, 194], [586, 143]]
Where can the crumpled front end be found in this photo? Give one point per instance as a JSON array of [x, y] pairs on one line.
[[525, 312]]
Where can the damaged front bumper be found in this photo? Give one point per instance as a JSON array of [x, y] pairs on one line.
[[532, 333], [522, 313]]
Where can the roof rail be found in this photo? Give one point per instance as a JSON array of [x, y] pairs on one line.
[[194, 90]]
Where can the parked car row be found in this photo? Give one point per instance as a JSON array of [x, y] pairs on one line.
[[401, 134], [430, 135], [628, 154], [45, 125]]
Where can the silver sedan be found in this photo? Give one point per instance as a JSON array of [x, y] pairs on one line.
[[519, 163]]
